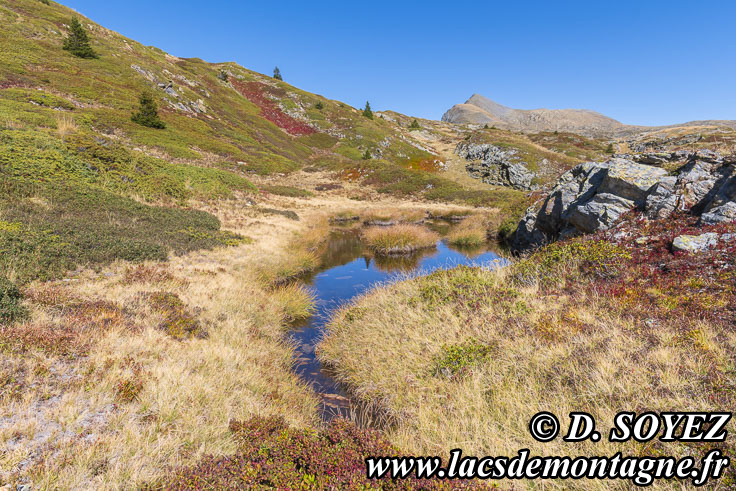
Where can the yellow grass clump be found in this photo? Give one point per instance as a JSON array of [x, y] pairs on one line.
[[399, 239], [471, 232], [65, 125]]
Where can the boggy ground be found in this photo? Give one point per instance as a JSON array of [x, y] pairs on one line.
[[137, 374], [608, 323]]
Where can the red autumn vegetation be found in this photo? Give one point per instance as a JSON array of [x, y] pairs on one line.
[[255, 93]]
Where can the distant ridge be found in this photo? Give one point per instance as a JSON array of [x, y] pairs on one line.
[[481, 110]]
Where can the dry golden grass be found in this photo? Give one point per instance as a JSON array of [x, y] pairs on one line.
[[472, 231], [65, 125], [299, 256], [545, 353], [118, 407], [392, 215], [399, 239]]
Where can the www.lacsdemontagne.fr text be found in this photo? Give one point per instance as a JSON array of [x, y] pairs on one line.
[[641, 471]]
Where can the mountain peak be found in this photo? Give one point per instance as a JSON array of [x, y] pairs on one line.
[[479, 109]]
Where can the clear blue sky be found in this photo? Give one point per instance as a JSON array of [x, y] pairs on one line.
[[641, 62]]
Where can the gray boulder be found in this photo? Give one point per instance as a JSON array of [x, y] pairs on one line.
[[695, 243], [600, 213]]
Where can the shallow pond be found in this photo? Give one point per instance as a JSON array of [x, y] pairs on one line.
[[349, 270]]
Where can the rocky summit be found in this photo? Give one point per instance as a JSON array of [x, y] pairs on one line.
[[479, 110], [593, 196]]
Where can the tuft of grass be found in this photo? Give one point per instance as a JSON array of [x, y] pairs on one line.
[[471, 232], [65, 125], [297, 301], [399, 239]]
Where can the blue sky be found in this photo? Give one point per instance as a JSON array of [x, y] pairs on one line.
[[641, 62]]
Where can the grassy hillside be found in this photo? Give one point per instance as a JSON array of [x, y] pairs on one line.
[[70, 153]]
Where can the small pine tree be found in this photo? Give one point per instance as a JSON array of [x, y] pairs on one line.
[[277, 73], [485, 127], [415, 125], [609, 148], [319, 105], [147, 115], [223, 75], [367, 111], [77, 42], [367, 155]]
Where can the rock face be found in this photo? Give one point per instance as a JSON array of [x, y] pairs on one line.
[[496, 165], [592, 196]]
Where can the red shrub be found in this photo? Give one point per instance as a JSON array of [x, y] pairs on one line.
[[254, 92], [272, 455]]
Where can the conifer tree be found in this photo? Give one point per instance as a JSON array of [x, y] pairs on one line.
[[609, 148], [147, 115], [415, 125], [277, 73], [367, 155], [367, 111], [77, 42]]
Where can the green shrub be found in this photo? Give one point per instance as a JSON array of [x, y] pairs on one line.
[[179, 321], [459, 358], [319, 105], [289, 191], [415, 125], [11, 309], [367, 155], [82, 225], [77, 42], [147, 114]]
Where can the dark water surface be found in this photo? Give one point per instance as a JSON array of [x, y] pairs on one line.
[[349, 270]]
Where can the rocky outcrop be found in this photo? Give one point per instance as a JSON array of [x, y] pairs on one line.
[[496, 165], [593, 196]]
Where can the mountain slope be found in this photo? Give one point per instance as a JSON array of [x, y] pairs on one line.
[[73, 166], [481, 110]]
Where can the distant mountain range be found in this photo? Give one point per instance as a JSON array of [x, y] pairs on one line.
[[481, 110]]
